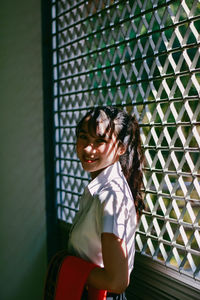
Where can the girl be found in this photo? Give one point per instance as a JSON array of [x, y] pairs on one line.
[[109, 148]]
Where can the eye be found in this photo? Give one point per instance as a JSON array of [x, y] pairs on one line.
[[82, 136], [101, 141]]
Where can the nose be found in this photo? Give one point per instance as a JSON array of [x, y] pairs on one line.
[[90, 149]]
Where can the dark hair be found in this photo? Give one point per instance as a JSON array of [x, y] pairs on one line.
[[127, 130]]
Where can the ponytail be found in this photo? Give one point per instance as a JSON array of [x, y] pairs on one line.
[[132, 162]]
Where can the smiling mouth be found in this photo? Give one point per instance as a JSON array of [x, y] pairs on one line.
[[89, 160]]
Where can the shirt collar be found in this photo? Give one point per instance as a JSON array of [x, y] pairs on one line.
[[104, 177]]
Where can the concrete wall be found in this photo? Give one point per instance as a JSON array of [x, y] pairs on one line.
[[22, 187]]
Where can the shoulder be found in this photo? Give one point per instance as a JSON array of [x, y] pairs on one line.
[[116, 191]]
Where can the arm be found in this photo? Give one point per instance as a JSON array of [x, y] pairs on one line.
[[114, 276]]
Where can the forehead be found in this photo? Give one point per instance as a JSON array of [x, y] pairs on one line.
[[96, 127]]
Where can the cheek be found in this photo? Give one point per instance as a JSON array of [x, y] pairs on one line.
[[113, 150], [108, 150], [78, 148], [103, 148]]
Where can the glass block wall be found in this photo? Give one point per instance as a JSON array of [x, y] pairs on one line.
[[143, 56]]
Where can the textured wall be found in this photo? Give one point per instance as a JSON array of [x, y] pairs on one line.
[[22, 191]]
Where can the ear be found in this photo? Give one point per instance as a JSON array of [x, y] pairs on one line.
[[121, 149]]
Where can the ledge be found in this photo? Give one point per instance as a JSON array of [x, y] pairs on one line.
[[154, 281]]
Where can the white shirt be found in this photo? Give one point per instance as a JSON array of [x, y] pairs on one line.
[[106, 206]]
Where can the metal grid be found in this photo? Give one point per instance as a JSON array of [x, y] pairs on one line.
[[143, 55]]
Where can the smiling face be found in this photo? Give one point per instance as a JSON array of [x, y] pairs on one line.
[[97, 149]]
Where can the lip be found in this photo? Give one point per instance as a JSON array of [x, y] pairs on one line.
[[89, 160]]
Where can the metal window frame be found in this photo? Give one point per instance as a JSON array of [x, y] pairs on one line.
[[93, 91]]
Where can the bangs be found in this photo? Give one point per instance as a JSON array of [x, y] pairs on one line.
[[98, 124]]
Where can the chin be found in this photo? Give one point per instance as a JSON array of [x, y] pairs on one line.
[[88, 168]]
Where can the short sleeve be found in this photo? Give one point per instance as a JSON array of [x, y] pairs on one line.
[[114, 212]]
